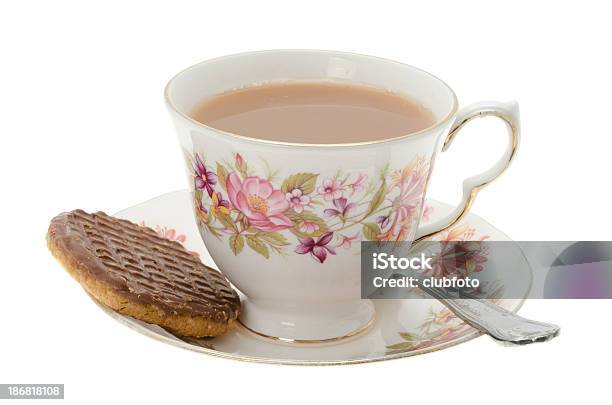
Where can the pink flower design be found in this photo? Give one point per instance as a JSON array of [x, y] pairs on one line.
[[201, 210], [410, 195], [307, 205], [342, 208], [459, 259], [358, 184], [307, 226], [318, 249], [263, 206], [241, 165], [427, 212], [442, 327], [297, 201], [171, 234], [461, 232], [383, 221], [411, 182], [443, 316], [239, 160], [331, 189], [346, 241]]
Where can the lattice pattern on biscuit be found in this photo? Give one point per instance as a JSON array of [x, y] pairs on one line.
[[152, 267]]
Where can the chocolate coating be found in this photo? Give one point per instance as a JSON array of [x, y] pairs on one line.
[[143, 267]]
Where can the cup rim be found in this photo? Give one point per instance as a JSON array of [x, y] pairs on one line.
[[438, 124]]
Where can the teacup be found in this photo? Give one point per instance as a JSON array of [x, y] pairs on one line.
[[299, 269]]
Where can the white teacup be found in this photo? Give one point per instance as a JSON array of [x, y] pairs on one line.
[[260, 205]]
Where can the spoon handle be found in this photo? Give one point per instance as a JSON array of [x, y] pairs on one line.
[[494, 320]]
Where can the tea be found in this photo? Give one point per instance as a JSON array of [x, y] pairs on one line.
[[314, 113]]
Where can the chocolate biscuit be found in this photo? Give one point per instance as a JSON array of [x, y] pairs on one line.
[[138, 273]]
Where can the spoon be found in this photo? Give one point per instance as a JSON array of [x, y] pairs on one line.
[[497, 322]]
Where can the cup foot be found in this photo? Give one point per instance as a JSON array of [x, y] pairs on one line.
[[315, 323]]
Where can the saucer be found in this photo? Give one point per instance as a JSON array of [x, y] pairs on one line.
[[402, 328]]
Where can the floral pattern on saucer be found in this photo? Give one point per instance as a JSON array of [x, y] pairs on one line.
[[443, 325], [425, 324], [171, 234]]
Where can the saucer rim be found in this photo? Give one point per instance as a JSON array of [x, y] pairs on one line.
[[134, 324]]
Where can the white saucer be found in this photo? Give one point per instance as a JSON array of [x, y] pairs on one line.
[[402, 327]]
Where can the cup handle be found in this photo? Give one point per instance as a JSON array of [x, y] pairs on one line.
[[509, 113]]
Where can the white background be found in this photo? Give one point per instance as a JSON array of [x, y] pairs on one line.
[[83, 125]]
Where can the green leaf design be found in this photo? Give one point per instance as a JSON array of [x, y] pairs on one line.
[[270, 174], [407, 336], [213, 231], [197, 194], [208, 221], [227, 221], [198, 197], [371, 231], [297, 220], [274, 238], [236, 243], [222, 176], [241, 166], [401, 346], [384, 171], [188, 156], [257, 245], [304, 181], [378, 199]]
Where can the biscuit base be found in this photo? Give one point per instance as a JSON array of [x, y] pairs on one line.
[[185, 325]]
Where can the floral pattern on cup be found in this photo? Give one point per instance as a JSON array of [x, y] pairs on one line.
[[305, 213]]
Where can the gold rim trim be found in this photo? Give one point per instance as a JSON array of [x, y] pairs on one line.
[[470, 200], [440, 123], [356, 332]]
